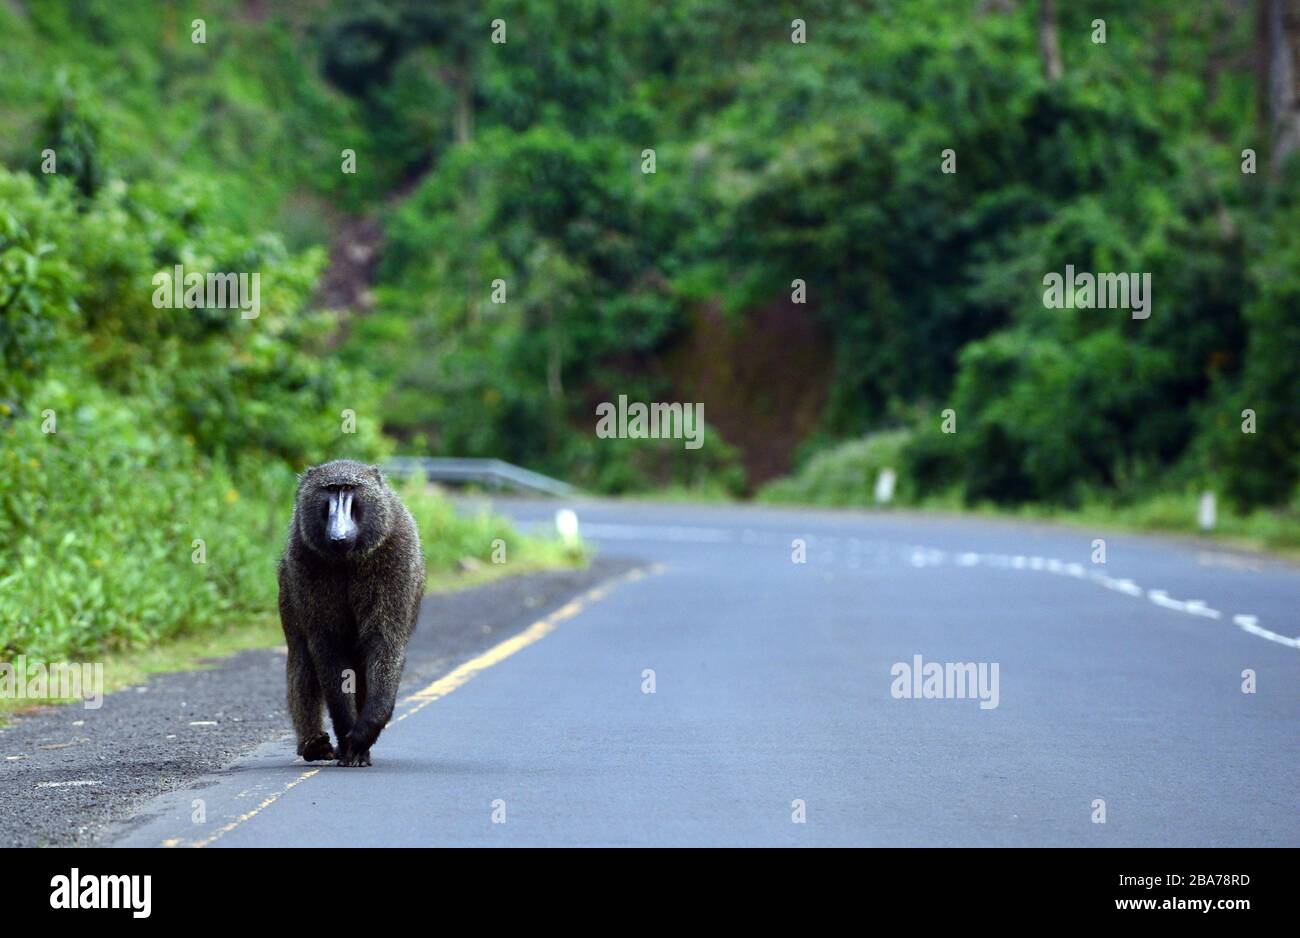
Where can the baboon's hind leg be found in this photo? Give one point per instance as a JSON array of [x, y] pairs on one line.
[[306, 703]]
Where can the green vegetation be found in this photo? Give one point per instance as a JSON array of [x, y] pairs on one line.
[[132, 434], [517, 171], [148, 456], [821, 162], [844, 476]]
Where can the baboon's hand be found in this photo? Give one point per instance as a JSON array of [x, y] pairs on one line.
[[316, 748], [351, 756]]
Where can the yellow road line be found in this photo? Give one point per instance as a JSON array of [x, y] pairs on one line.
[[221, 832], [461, 676], [466, 672]]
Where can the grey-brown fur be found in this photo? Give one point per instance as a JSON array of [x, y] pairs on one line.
[[347, 605]]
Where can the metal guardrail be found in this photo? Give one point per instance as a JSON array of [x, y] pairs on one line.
[[494, 472]]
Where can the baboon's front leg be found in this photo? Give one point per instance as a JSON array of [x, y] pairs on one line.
[[336, 683], [383, 666], [306, 704]]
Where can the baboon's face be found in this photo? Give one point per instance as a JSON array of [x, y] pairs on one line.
[[341, 509]]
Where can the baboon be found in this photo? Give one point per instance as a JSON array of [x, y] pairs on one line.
[[351, 580]]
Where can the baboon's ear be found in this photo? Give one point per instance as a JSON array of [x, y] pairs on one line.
[[379, 476]]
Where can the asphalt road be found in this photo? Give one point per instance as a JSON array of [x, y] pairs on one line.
[[775, 717], [76, 776]]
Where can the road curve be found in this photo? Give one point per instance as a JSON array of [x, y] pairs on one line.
[[777, 715]]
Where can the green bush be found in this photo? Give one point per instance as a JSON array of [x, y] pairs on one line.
[[450, 539], [846, 474], [1262, 468], [98, 522], [36, 283], [103, 523], [129, 433]]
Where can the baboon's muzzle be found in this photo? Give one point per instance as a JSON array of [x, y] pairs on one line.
[[340, 528]]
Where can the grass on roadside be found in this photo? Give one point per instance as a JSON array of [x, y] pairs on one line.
[[197, 652], [845, 476], [460, 552], [1276, 533]]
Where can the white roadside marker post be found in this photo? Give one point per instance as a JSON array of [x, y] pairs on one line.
[[885, 486], [1206, 512], [566, 524]]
